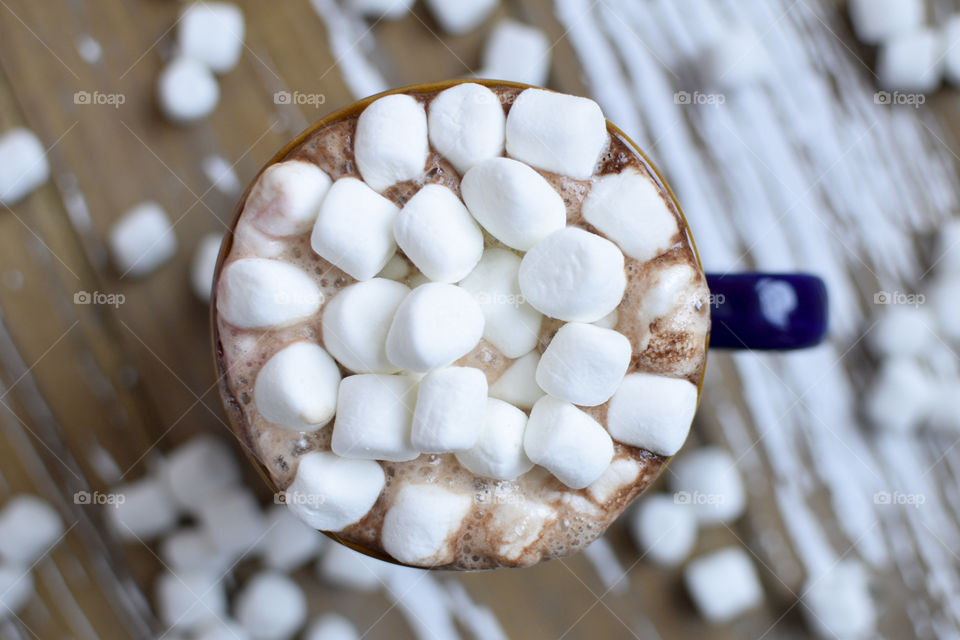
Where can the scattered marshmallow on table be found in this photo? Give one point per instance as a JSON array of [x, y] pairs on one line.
[[342, 567], [584, 364], [387, 9], [354, 229], [212, 33], [260, 293], [271, 606], [943, 406], [448, 415], [736, 58], [664, 529], [418, 526], [567, 442], [16, 589], [947, 256], [877, 20], [460, 17], [221, 629], [573, 275], [944, 299], [498, 452], [951, 60], [903, 331], [204, 265], [466, 125], [145, 511], [286, 198], [438, 234], [911, 61], [708, 479], [233, 520], [356, 322], [330, 493], [652, 412], [190, 548], [331, 626], [187, 90], [518, 52], [29, 527], [838, 604], [23, 165], [297, 387], [723, 584], [518, 383], [390, 144], [899, 398], [200, 468], [374, 417], [289, 543], [142, 240], [189, 599]]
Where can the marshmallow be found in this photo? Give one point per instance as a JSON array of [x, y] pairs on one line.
[[510, 324], [387, 9], [608, 321], [652, 412], [16, 589], [460, 17], [248, 240], [288, 543], [664, 529], [943, 406], [330, 493], [573, 275], [877, 20], [233, 521], [29, 527], [203, 269], [297, 387], [498, 452], [189, 599], [434, 326], [903, 331], [567, 442], [142, 511], [518, 52], [211, 33], [420, 525], [736, 58], [187, 90], [191, 549], [286, 198], [354, 229], [258, 293], [723, 584], [438, 234], [198, 470], [24, 166], [628, 208], [142, 240], [708, 479], [466, 125], [424, 603], [838, 604], [518, 384], [331, 626], [911, 61], [271, 606], [344, 568], [584, 364], [374, 417], [622, 473], [947, 255], [945, 302], [221, 629], [514, 203], [397, 269], [449, 411], [900, 397], [390, 144], [556, 132], [519, 525], [356, 322]]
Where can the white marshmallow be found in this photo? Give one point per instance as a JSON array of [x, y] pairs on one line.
[[191, 549], [233, 521], [248, 240], [608, 321], [330, 493], [838, 604], [627, 208], [518, 384], [877, 20], [212, 33], [24, 166], [289, 543], [438, 234], [652, 412], [911, 61], [707, 478], [466, 125], [944, 299], [519, 525], [498, 452], [434, 326], [423, 602], [143, 510], [142, 240], [297, 387], [28, 529], [286, 198], [621, 473], [374, 417], [387, 9], [573, 275], [664, 530], [947, 256], [900, 397], [419, 526], [202, 467], [518, 52], [331, 626], [356, 322], [514, 203], [903, 331], [736, 58], [723, 584], [567, 442], [460, 17], [584, 364], [943, 406], [354, 229], [189, 599], [397, 269], [556, 132], [449, 412], [203, 268], [390, 144], [220, 629], [271, 606], [258, 293], [510, 324], [343, 568], [16, 589], [951, 70], [187, 90]]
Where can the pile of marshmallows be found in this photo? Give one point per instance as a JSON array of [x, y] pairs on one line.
[[379, 328], [29, 529]]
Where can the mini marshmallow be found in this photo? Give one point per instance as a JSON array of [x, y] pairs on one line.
[[212, 33], [24, 166], [438, 234], [143, 510], [449, 412], [356, 322], [271, 606], [621, 474], [900, 397], [390, 144], [708, 479], [466, 125], [331, 626], [518, 52], [567, 442], [142, 240], [354, 229], [286, 198], [627, 208], [903, 331], [944, 299], [664, 530], [736, 58], [233, 520], [573, 275], [221, 629], [723, 584], [258, 293], [191, 549], [187, 90], [288, 543], [397, 269], [374, 417], [460, 17], [203, 268], [189, 599], [498, 452], [556, 132], [838, 603], [519, 525], [875, 21], [434, 326], [16, 589], [652, 412], [911, 61], [518, 384], [330, 493], [514, 203], [199, 469], [344, 568], [419, 525], [29, 527], [584, 364], [510, 324], [608, 321], [386, 9], [297, 387], [943, 406]]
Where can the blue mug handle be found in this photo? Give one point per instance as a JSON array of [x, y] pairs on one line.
[[767, 311]]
